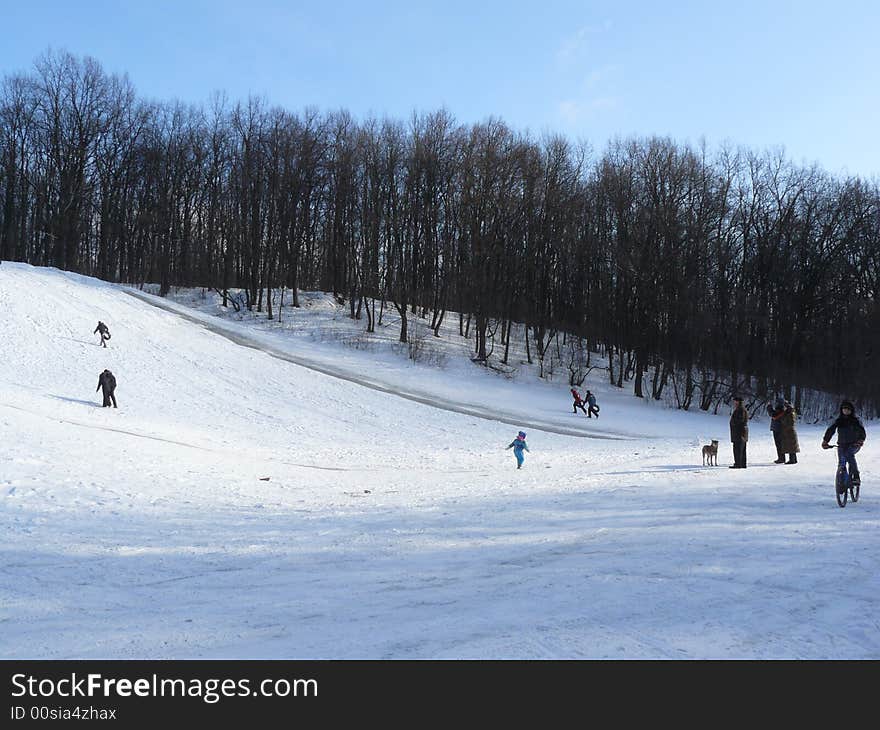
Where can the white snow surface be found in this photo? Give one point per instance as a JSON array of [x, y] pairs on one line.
[[388, 528]]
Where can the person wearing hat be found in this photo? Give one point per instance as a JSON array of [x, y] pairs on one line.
[[739, 433], [518, 445], [850, 438]]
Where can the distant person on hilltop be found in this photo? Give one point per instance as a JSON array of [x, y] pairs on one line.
[[107, 385], [594, 407], [519, 445], [105, 332], [578, 402]]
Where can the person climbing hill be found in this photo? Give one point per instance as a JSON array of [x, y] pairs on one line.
[[105, 332]]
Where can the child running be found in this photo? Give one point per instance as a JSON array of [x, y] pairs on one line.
[[518, 445]]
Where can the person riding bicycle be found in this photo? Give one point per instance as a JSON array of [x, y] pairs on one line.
[[850, 438]]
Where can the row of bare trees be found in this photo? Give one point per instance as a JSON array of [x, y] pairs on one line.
[[695, 271]]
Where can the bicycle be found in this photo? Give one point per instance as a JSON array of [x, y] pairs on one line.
[[843, 482]]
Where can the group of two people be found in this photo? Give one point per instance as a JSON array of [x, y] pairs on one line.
[[589, 400], [850, 434]]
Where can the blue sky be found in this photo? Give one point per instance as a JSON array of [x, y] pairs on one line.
[[802, 75]]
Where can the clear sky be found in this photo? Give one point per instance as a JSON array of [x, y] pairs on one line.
[[802, 75]]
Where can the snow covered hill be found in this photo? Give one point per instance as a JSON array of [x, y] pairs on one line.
[[238, 504]]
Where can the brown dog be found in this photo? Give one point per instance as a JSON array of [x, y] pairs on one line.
[[710, 452]]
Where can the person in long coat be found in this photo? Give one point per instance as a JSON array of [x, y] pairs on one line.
[[788, 433], [739, 433]]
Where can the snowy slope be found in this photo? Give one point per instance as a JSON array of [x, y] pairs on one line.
[[387, 528]]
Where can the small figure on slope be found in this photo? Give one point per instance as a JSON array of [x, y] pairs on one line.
[[107, 384], [519, 445], [105, 332]]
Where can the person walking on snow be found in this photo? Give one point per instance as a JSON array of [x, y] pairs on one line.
[[107, 384], [578, 402], [518, 445], [850, 438], [594, 407], [105, 332]]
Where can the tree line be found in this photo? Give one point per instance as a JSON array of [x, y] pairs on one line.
[[698, 272]]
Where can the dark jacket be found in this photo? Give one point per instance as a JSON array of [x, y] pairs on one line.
[[106, 382], [775, 412], [102, 328], [849, 430], [788, 440], [739, 424]]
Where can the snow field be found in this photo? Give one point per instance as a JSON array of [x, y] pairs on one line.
[[387, 528]]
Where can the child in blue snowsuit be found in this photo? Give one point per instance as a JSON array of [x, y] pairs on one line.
[[518, 444]]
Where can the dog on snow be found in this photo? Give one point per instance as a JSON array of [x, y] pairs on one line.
[[710, 453]]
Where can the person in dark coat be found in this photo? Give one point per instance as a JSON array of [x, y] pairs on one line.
[[775, 412], [105, 332], [593, 406], [578, 402], [107, 385], [788, 433], [739, 433], [850, 438]]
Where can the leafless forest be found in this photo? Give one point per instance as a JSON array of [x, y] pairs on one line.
[[696, 271]]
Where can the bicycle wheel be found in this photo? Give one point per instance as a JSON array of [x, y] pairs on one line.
[[840, 487], [853, 491]]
